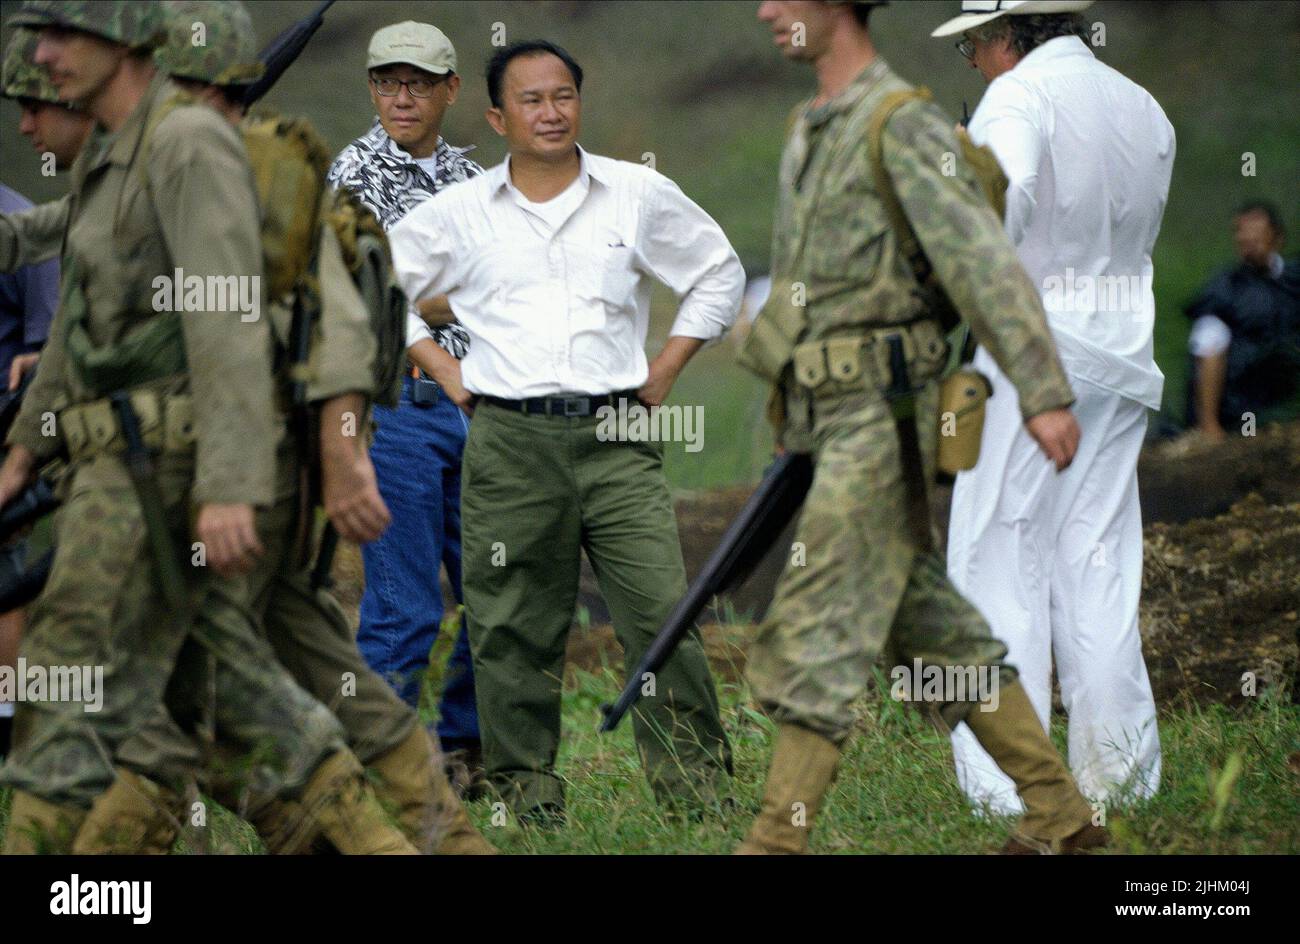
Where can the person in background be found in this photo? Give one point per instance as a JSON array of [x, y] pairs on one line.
[[1245, 339], [395, 166]]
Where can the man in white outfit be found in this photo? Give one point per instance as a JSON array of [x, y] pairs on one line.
[[1054, 561]]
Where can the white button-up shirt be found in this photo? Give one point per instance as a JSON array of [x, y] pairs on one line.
[[557, 300], [1088, 154]]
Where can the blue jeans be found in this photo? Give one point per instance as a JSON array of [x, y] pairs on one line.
[[416, 453]]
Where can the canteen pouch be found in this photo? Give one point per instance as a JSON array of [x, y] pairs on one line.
[[962, 396]]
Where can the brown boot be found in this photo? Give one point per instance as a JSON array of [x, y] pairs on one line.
[[1056, 814], [803, 766], [135, 816], [339, 803], [1089, 838], [412, 782], [37, 827], [282, 826]]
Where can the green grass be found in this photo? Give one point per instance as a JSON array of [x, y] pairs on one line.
[[896, 792]]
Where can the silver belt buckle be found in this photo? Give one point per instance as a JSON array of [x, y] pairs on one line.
[[577, 406]]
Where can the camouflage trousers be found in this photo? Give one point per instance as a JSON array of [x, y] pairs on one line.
[[103, 609], [312, 637], [857, 588]]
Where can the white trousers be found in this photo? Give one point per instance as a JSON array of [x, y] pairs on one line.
[[1054, 563]]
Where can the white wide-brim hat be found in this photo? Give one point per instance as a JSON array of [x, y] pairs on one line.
[[978, 12]]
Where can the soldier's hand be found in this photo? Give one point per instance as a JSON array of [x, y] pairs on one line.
[[229, 534], [1057, 434], [17, 473], [352, 499], [20, 367]]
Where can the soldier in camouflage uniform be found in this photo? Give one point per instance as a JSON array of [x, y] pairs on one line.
[[873, 582], [307, 627], [200, 385]]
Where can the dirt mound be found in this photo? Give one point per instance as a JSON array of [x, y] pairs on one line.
[[1220, 599]]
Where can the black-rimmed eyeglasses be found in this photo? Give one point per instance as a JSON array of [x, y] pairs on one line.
[[419, 88]]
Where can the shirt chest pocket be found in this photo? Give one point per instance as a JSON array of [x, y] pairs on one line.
[[849, 229], [607, 273]]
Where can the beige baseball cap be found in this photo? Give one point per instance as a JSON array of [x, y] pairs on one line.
[[418, 44]]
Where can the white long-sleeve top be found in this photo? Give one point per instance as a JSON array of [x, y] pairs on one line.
[[556, 296], [1088, 155]]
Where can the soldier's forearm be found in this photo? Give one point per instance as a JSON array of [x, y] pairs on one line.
[[340, 425]]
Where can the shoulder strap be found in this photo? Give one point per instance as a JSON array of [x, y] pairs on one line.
[[903, 231]]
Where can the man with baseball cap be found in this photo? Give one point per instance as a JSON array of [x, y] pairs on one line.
[[398, 164], [1054, 561]]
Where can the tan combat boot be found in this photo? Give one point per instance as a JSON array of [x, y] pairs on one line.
[[339, 804], [135, 816], [1057, 817], [282, 826], [37, 827], [413, 783], [803, 766]]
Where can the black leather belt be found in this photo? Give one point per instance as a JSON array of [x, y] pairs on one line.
[[585, 405]]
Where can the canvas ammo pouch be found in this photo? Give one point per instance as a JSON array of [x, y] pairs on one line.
[[838, 365], [166, 424]]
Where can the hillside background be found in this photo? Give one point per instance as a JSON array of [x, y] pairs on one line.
[[699, 85]]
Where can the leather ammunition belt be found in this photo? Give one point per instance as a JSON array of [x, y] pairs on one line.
[[166, 425], [579, 406], [837, 364]]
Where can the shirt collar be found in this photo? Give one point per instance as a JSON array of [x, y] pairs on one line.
[[588, 170], [1062, 47], [853, 93], [1276, 265], [119, 146], [385, 146]]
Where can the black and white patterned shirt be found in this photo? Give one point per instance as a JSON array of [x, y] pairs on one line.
[[390, 183]]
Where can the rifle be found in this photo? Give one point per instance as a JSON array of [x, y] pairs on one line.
[[765, 515], [34, 503], [281, 52]]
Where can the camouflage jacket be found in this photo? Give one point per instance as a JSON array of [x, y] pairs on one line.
[[194, 209], [855, 277]]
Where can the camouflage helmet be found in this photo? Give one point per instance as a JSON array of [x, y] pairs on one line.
[[210, 40], [133, 23], [23, 78]]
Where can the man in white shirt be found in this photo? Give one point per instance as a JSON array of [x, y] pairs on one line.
[[1054, 561], [547, 262]]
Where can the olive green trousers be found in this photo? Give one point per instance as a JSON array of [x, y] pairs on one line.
[[536, 491]]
